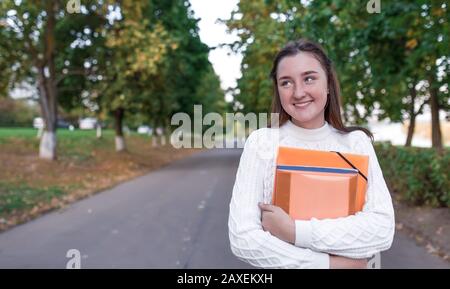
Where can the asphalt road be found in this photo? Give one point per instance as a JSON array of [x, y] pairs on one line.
[[175, 217]]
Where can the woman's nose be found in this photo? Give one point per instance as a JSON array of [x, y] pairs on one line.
[[299, 91]]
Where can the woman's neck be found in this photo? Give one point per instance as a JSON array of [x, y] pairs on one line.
[[311, 124], [315, 134]]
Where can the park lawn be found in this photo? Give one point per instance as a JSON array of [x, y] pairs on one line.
[[30, 187]]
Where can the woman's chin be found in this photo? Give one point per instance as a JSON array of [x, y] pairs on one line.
[[301, 117]]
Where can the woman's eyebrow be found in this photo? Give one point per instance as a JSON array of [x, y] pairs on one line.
[[302, 74], [309, 72]]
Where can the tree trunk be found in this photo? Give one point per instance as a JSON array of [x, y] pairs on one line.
[[120, 141], [47, 103], [47, 88], [99, 130], [47, 147], [411, 127], [436, 136], [412, 116]]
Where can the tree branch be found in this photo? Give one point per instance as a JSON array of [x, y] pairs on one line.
[[69, 73], [427, 101]]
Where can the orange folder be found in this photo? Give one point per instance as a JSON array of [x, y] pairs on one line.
[[319, 184]]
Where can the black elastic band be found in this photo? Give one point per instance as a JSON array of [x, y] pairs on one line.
[[345, 159]]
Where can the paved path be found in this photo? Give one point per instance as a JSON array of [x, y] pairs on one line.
[[175, 217]]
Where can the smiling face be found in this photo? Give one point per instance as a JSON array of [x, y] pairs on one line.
[[302, 87]]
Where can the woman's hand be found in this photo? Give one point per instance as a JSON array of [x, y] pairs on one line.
[[277, 222], [338, 262]]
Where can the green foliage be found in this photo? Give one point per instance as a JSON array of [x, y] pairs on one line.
[[421, 176], [16, 113], [261, 37], [209, 93], [378, 57], [186, 76], [149, 60]]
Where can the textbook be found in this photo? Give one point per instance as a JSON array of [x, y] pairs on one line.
[[319, 184]]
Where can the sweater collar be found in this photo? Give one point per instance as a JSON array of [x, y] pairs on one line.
[[315, 134]]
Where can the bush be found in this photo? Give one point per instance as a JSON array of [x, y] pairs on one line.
[[16, 113], [421, 176]]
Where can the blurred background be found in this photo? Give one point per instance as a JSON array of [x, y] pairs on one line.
[[88, 89]]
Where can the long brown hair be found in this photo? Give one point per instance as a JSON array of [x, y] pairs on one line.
[[333, 106]]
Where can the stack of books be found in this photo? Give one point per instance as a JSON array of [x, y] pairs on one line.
[[319, 184]]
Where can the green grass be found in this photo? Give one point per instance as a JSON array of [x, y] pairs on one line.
[[80, 147], [6, 133], [76, 146], [30, 133], [17, 197]]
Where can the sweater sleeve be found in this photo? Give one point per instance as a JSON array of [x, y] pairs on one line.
[[363, 234], [248, 241]]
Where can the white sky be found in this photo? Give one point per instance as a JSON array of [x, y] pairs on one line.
[[225, 63]]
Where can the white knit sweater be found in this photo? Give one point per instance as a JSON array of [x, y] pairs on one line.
[[359, 236]]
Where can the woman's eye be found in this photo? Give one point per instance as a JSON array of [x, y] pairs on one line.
[[285, 83], [309, 79]]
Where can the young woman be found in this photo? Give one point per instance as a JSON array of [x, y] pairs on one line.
[[307, 98]]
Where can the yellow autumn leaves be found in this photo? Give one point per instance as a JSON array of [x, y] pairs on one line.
[[138, 44]]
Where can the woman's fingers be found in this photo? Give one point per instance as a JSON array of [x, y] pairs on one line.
[[266, 207]]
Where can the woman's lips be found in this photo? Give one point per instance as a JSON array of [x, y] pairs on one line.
[[303, 104]]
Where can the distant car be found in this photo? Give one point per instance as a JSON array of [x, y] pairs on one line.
[[144, 129], [38, 123], [64, 124], [88, 123]]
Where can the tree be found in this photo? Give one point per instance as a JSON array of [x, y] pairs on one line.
[[137, 46], [144, 59], [180, 82], [410, 38], [380, 58], [28, 41], [34, 49], [262, 30]]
